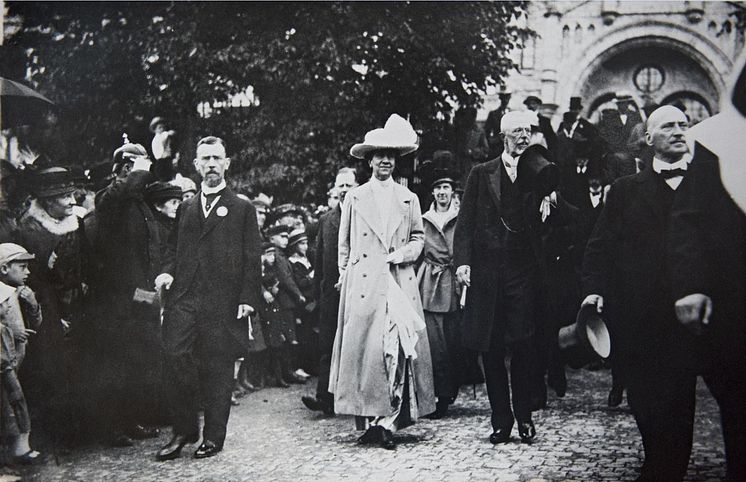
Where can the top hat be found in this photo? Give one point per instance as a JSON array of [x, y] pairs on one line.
[[586, 340], [54, 181], [623, 96], [576, 103], [160, 191], [443, 159], [397, 135], [536, 172]]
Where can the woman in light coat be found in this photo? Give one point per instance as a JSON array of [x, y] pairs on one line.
[[381, 367]]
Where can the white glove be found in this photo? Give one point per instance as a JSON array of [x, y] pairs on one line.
[[141, 163], [164, 281], [595, 300], [396, 257], [693, 311], [545, 208], [463, 274]]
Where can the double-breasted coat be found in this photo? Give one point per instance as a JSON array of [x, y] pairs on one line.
[[436, 275], [358, 377]]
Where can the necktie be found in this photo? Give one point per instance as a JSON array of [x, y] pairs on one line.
[[210, 198], [511, 170], [670, 173]]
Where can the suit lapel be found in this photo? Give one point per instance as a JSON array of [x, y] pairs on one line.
[[226, 200], [493, 181], [649, 185]]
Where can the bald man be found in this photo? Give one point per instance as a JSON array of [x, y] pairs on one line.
[[625, 275], [498, 255]]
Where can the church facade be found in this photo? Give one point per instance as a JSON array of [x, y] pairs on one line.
[[660, 52]]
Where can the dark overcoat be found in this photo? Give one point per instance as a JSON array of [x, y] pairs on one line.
[[478, 243], [326, 276], [625, 262], [224, 250]]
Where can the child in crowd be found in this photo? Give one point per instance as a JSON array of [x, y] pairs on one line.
[[306, 356], [272, 319], [18, 310]]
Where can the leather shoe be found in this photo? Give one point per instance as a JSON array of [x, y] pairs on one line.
[[615, 396], [295, 379], [557, 380], [500, 436], [208, 448], [527, 431], [317, 405], [387, 440], [373, 435], [139, 432], [173, 448]]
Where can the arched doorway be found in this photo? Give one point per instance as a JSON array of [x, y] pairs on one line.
[[654, 74]]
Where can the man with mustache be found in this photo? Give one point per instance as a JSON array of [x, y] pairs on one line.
[[212, 276], [626, 277], [497, 252]]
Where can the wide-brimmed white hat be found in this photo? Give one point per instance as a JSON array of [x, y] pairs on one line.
[[397, 134]]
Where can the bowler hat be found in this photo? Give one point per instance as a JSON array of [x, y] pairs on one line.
[[530, 99], [585, 340], [397, 134], [536, 172], [54, 181], [576, 103], [267, 247], [160, 191]]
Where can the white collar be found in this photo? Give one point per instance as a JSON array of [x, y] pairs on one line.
[[382, 184], [683, 163], [509, 160], [212, 190]]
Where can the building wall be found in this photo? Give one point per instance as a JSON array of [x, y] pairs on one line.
[[592, 48]]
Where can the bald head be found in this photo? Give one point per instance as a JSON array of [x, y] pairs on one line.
[[665, 133]]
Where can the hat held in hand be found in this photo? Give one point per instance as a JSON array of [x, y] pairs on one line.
[[397, 135]]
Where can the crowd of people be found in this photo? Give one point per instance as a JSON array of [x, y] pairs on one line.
[[131, 299]]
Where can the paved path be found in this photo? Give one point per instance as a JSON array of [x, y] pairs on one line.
[[271, 436]]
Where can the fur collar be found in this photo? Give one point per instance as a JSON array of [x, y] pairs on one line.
[[58, 227]]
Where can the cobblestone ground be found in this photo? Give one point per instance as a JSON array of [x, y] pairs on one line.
[[271, 436]]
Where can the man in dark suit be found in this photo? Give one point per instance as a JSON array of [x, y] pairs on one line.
[[325, 280], [213, 279], [497, 251], [707, 260], [626, 276], [615, 126], [533, 103]]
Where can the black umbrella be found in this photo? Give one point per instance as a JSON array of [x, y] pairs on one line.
[[19, 104]]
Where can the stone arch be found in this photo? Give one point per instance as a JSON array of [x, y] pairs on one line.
[[692, 44]]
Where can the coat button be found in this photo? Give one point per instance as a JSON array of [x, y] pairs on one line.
[[391, 250], [362, 296], [365, 234], [365, 275], [365, 255]]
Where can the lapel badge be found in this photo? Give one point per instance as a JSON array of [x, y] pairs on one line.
[[222, 211]]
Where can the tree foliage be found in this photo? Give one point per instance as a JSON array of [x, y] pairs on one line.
[[321, 74]]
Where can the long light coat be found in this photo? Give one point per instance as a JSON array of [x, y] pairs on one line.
[[436, 275], [358, 376]]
